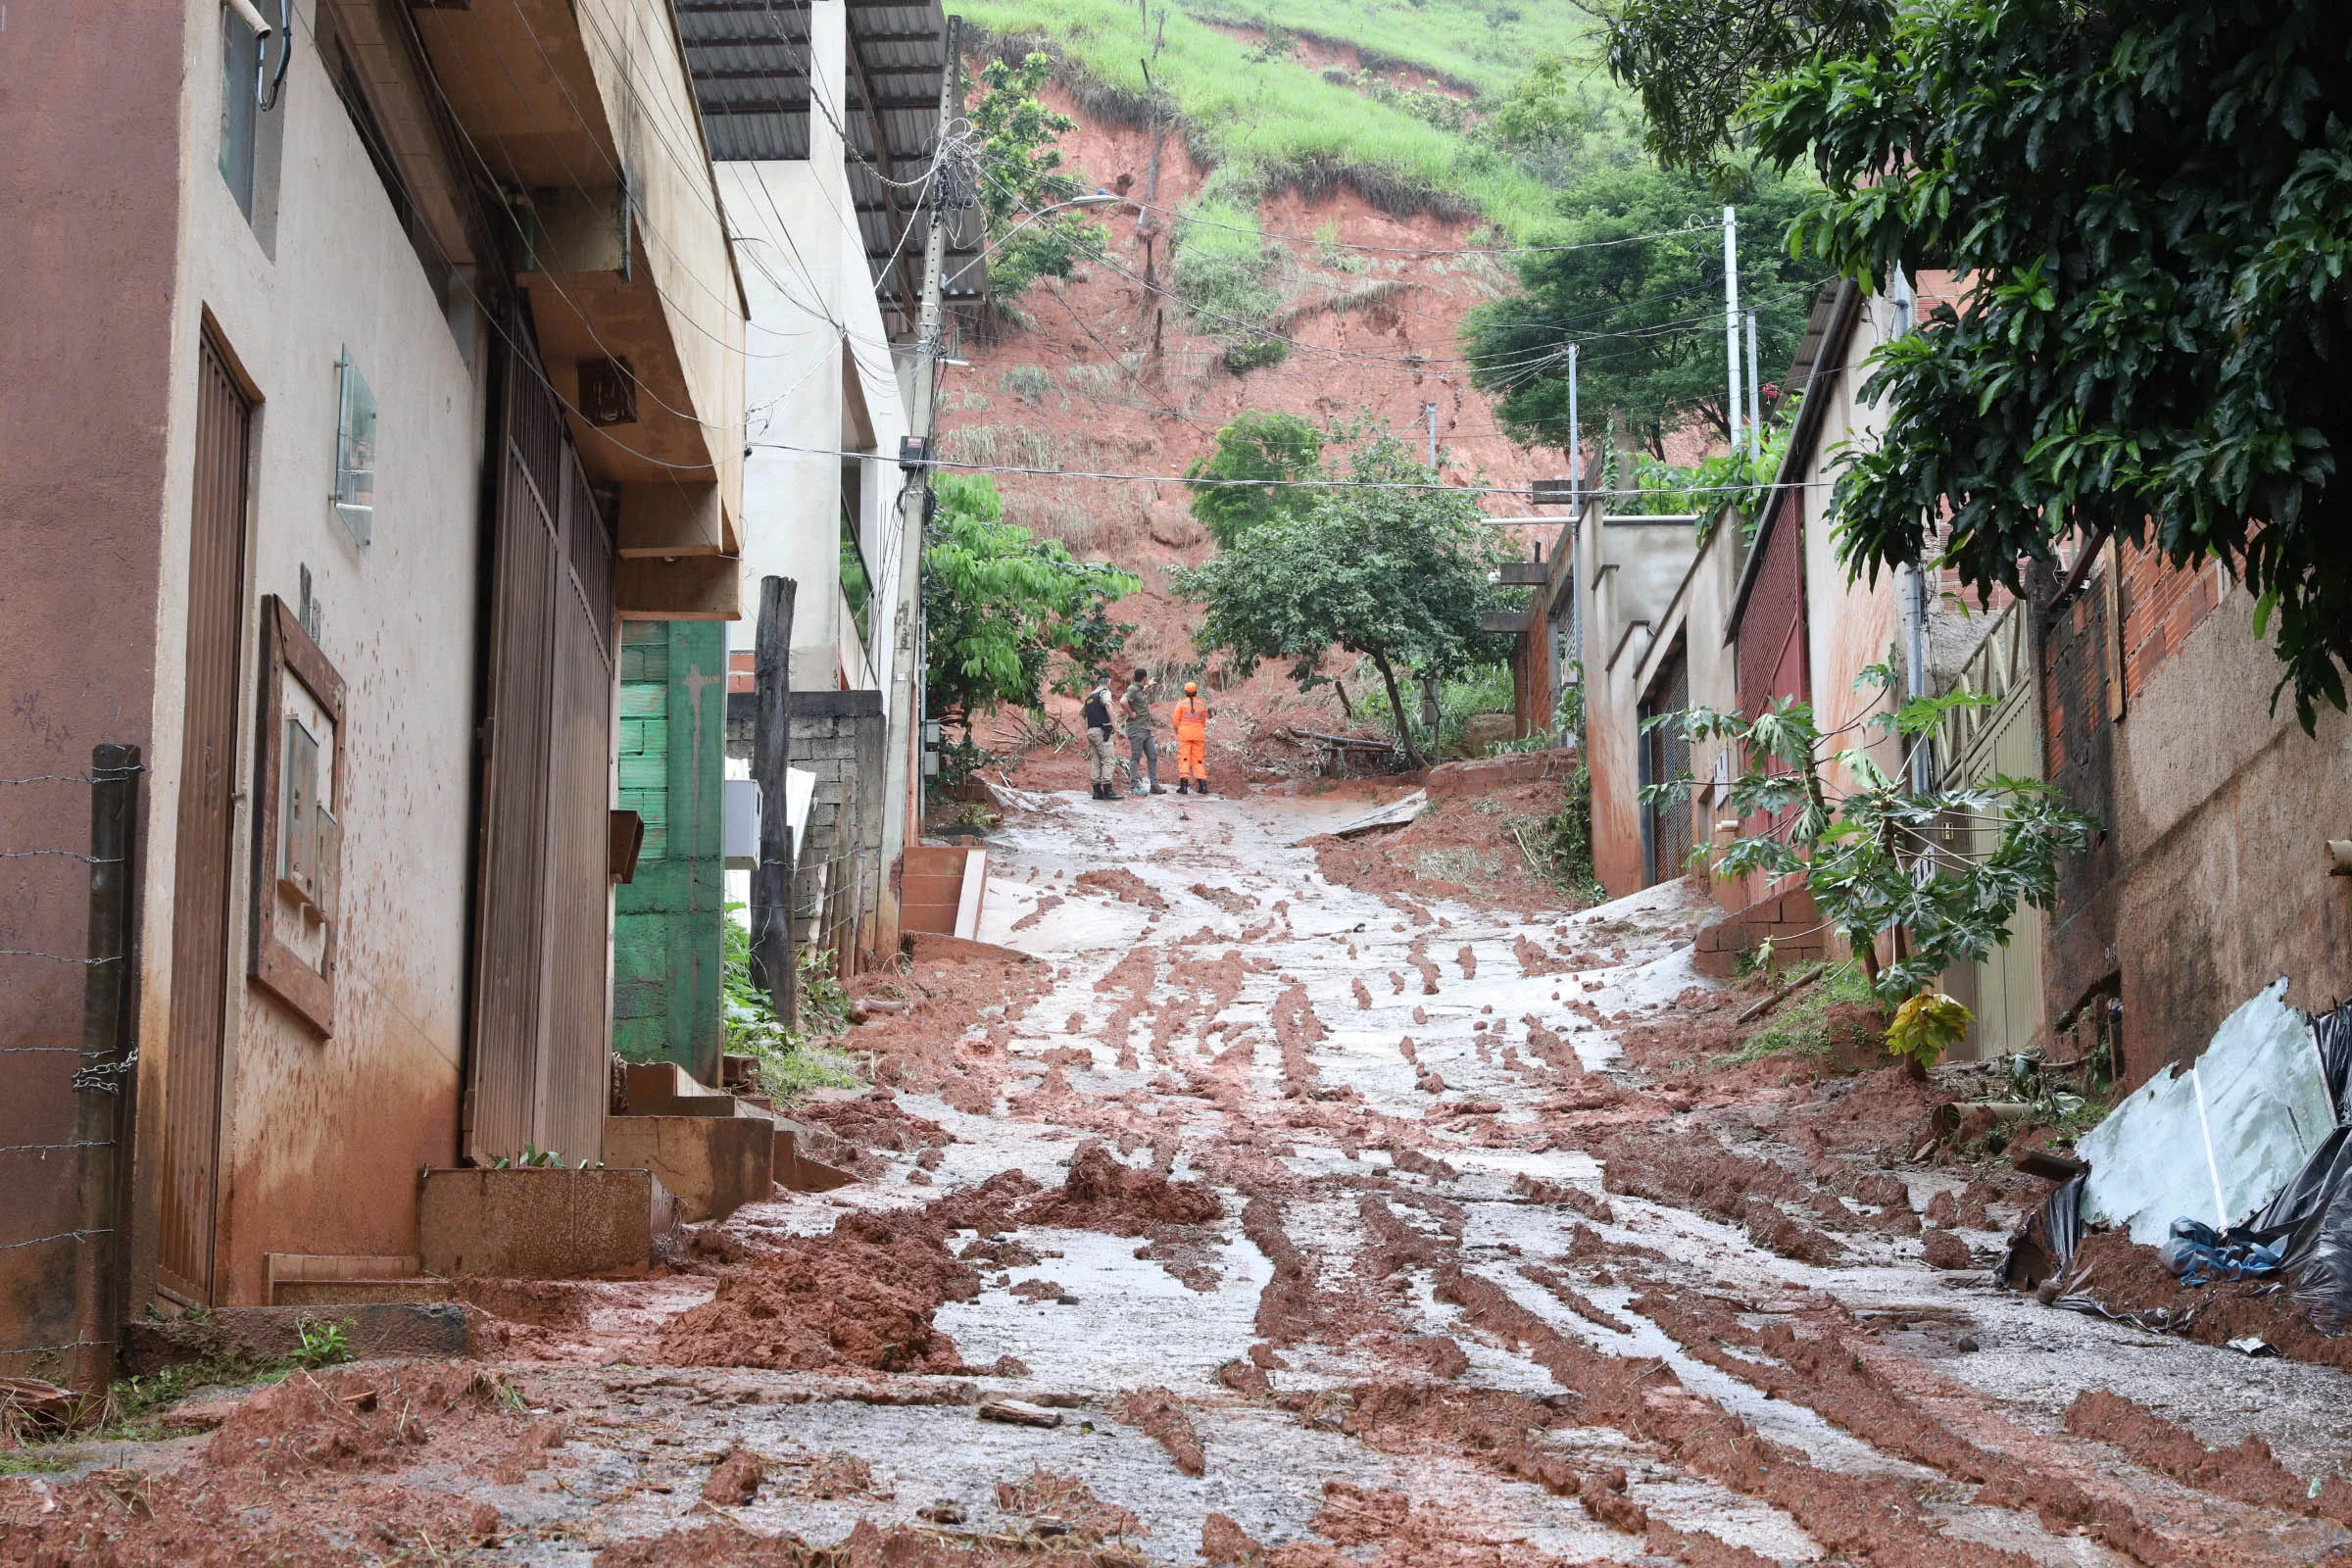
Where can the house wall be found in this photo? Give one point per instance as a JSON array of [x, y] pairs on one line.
[[2222, 810], [321, 1138], [1849, 622], [89, 173], [1629, 573], [1696, 617]]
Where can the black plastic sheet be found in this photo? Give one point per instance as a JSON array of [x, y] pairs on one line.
[[2044, 1248]]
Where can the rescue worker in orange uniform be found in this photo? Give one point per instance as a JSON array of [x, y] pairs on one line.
[[1191, 719]]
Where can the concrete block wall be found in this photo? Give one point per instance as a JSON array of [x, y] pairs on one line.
[[840, 737], [1789, 919]]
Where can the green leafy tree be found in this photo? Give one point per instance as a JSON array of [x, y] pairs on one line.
[[1648, 315], [998, 605], [1022, 174], [1694, 62], [1258, 444], [2152, 203], [1941, 872], [1398, 577], [1554, 125]]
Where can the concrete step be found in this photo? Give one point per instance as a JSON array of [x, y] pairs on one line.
[[345, 1293], [714, 1164]]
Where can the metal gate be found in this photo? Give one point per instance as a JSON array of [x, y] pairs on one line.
[[536, 1071], [1973, 746], [207, 824], [1665, 757]]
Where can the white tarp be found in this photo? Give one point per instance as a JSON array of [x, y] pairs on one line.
[[2213, 1143]]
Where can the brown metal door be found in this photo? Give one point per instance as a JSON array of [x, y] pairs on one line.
[[573, 1081], [537, 1072], [201, 860]]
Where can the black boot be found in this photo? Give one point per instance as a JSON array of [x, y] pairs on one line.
[[1204, 786], [1184, 786]]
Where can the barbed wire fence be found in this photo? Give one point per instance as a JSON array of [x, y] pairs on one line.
[[99, 1071]]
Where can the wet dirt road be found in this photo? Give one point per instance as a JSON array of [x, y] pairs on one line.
[[1347, 1235]]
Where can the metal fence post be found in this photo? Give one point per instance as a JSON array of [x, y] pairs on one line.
[[102, 1085]]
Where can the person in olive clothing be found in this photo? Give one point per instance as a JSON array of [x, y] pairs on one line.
[[1142, 747]]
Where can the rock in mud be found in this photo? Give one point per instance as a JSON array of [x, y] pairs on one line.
[[735, 1480]]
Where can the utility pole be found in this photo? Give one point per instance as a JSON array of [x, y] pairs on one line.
[[1731, 322], [1429, 411], [1755, 396], [773, 968], [1576, 440], [903, 781]]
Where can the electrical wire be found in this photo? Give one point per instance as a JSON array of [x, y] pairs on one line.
[[1309, 484]]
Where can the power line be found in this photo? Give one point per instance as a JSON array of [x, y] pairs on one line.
[[1314, 484]]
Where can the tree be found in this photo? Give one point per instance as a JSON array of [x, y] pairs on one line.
[[1647, 315], [998, 604], [2152, 203], [1396, 576], [1020, 174], [1695, 61], [1880, 859], [1254, 444], [1553, 124]]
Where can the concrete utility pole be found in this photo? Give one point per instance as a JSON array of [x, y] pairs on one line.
[[1429, 411], [773, 968], [1731, 322], [903, 782], [1576, 440]]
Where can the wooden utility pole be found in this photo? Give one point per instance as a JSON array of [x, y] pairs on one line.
[[772, 966], [101, 1084]]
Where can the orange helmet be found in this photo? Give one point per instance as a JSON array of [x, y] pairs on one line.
[[1192, 688]]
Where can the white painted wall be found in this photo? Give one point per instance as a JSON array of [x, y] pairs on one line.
[[312, 1122], [813, 306]]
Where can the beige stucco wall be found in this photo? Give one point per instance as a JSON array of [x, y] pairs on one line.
[[322, 1139], [639, 67], [2223, 809], [1849, 624]]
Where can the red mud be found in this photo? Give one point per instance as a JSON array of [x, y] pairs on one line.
[[2126, 1278], [1460, 847], [1121, 884], [1162, 1418], [861, 1297], [2246, 1471]]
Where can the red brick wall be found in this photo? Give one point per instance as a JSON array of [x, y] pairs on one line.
[[2161, 606]]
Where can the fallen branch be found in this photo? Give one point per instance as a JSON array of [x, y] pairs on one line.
[[1759, 1008]]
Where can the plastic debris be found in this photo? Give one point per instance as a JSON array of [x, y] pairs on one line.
[[2214, 1141], [2252, 1346], [2199, 1255]]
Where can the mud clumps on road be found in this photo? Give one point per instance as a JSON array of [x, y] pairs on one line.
[[2246, 1471], [1693, 1171], [1101, 1194], [1161, 1416], [874, 1121], [861, 1298], [1123, 885], [374, 1418]]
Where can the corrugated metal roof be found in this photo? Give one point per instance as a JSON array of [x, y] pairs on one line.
[[750, 64]]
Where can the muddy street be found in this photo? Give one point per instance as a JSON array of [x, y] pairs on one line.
[[1237, 1216]]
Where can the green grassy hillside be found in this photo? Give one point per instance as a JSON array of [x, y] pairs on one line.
[[1266, 119]]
